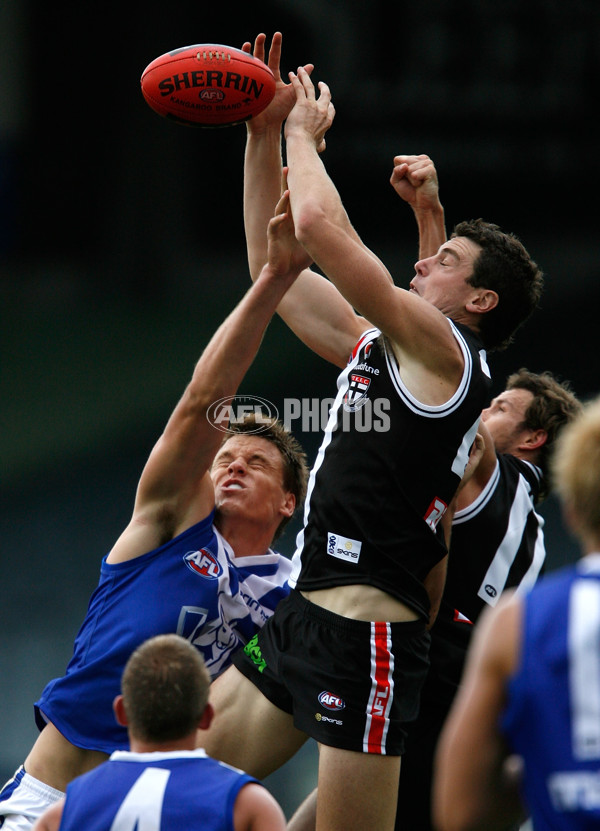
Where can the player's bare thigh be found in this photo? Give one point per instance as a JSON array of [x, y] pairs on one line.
[[356, 791], [248, 731], [55, 761]]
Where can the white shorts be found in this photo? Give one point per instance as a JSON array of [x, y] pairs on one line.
[[23, 799]]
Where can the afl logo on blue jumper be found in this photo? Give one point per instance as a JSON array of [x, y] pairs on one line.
[[203, 563]]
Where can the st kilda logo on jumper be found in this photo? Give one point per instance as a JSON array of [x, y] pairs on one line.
[[359, 383], [356, 395], [204, 563]]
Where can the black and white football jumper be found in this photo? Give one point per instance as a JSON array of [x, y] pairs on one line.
[[386, 470]]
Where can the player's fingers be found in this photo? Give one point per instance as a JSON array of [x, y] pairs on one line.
[[284, 202], [399, 172], [297, 85], [259, 46], [411, 159], [421, 163], [284, 198], [276, 221], [423, 174], [477, 449], [324, 93], [275, 54], [306, 82]]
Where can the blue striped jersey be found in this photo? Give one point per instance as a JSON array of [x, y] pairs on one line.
[[194, 586]]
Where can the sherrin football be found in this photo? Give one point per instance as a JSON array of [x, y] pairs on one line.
[[208, 85]]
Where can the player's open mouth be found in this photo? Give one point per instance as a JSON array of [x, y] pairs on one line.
[[232, 486]]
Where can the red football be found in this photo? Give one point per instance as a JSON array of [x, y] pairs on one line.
[[208, 85]]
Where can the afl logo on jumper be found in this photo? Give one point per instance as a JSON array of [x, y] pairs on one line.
[[358, 389], [331, 701], [203, 563]]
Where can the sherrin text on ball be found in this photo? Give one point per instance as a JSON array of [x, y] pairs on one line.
[[208, 85]]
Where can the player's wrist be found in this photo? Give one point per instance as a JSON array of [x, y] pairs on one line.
[[270, 131], [428, 208]]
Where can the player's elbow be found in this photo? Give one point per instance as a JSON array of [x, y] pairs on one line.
[[309, 222]]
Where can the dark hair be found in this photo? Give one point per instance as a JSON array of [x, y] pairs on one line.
[[554, 405], [165, 689], [295, 466], [504, 266]]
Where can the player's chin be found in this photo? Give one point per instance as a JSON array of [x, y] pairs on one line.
[[228, 498]]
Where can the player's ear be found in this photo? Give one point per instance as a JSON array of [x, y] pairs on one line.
[[289, 504], [207, 717], [484, 300], [119, 711], [536, 438]]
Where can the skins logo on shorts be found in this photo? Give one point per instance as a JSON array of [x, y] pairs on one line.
[[321, 717], [331, 701], [204, 563], [252, 650]]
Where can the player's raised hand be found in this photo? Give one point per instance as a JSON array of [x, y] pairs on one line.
[[312, 115], [285, 98], [414, 178]]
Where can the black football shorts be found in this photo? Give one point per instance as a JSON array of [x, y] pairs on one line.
[[350, 684]]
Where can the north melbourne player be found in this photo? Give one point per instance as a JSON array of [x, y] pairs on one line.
[[194, 560]]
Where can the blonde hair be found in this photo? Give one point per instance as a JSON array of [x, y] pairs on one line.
[[576, 467]]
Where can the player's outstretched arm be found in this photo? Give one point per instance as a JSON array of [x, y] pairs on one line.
[[313, 308], [414, 178], [176, 479], [263, 159], [420, 332]]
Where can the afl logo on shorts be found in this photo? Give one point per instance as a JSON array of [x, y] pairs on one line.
[[203, 563], [331, 701]]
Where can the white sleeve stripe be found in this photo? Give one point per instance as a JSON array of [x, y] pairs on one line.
[[496, 576], [428, 410], [478, 504]]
